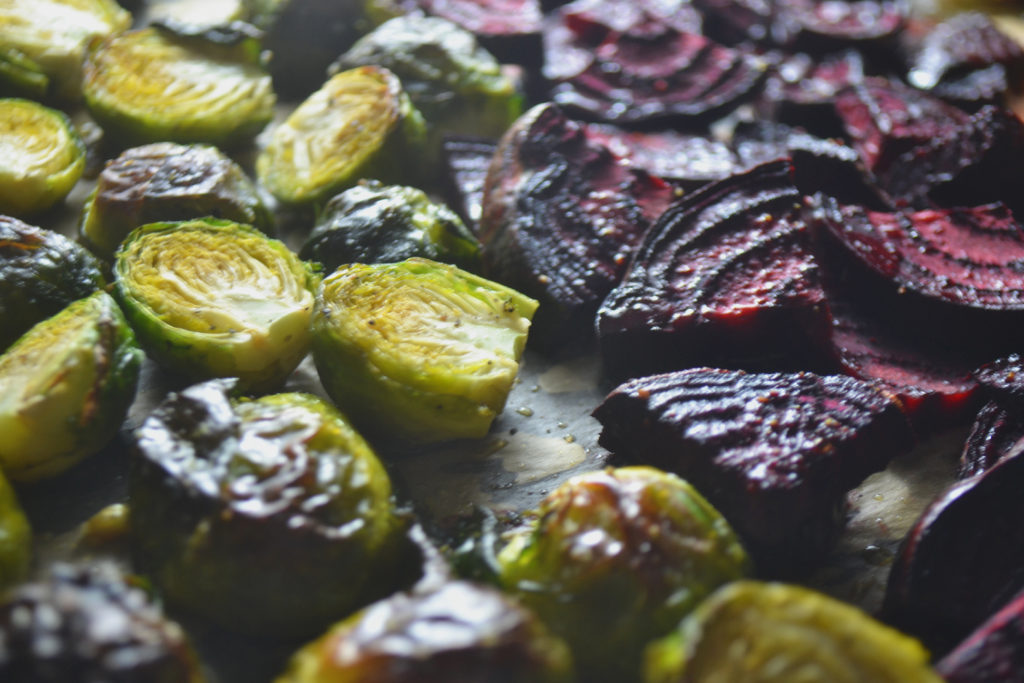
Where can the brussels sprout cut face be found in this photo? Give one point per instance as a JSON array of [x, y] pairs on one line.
[[41, 157], [419, 350], [65, 388], [151, 85], [359, 124], [211, 298]]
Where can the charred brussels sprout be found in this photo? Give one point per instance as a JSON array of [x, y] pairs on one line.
[[41, 157], [15, 537], [41, 272], [374, 223], [419, 350], [65, 388], [751, 632], [616, 558], [211, 298], [49, 38], [360, 124], [90, 624], [459, 633], [165, 182], [153, 84], [272, 516]]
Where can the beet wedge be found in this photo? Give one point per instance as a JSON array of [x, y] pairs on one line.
[[775, 453], [465, 161], [994, 652], [724, 277]]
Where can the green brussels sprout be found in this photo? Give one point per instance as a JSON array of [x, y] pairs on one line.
[[457, 632], [616, 558], [752, 632], [374, 223], [272, 516], [455, 83], [418, 350], [20, 76], [152, 84], [51, 37], [15, 537], [165, 181], [65, 388], [41, 272], [43, 157], [360, 124], [213, 298]]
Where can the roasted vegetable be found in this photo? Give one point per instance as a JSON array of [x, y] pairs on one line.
[[65, 388], [616, 558], [20, 76], [374, 223], [49, 38], [750, 632], [152, 84], [41, 272], [459, 633], [271, 516], [163, 182], [15, 538], [89, 624], [360, 124], [43, 157], [419, 350], [212, 298]]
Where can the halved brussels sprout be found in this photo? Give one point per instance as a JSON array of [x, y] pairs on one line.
[[15, 537], [270, 516], [752, 632], [41, 272], [419, 350], [360, 124], [41, 156], [165, 181], [65, 388], [456, 632], [152, 84], [20, 76], [617, 557], [54, 34], [374, 223], [212, 298]]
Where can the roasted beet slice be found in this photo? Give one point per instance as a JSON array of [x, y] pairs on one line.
[[975, 88], [509, 29], [466, 161], [732, 22], [592, 21], [1003, 379], [801, 90], [994, 652], [885, 118], [965, 42], [724, 277], [815, 26], [775, 453], [996, 430], [963, 559], [561, 217]]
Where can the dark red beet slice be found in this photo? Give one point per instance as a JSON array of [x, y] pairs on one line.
[[885, 118], [775, 453], [975, 88], [1003, 379], [509, 29], [737, 21], [963, 559], [965, 42], [813, 26], [592, 21], [994, 652], [561, 217], [466, 161], [996, 430], [724, 277], [801, 90]]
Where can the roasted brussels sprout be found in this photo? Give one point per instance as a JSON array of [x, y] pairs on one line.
[[49, 37], [21, 76], [458, 633], [90, 624], [152, 84], [65, 388], [41, 272], [271, 516], [213, 298], [15, 537], [418, 350], [165, 181], [751, 632], [360, 124], [374, 223], [617, 557], [43, 157]]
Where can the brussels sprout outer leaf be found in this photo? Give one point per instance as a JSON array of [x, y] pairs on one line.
[[65, 388], [20, 76], [15, 537], [213, 298], [419, 350], [41, 157]]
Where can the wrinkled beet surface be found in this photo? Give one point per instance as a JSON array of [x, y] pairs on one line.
[[994, 433], [965, 42]]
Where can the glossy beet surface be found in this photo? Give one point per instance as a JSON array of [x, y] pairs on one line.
[[994, 652], [1003, 379], [965, 42], [994, 433], [724, 276], [776, 453], [509, 29]]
